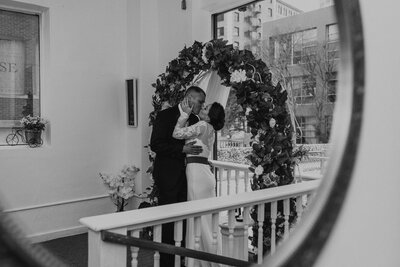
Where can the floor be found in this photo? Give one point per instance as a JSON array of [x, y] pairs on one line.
[[72, 251]]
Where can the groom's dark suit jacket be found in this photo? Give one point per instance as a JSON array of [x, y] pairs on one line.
[[169, 165], [169, 168]]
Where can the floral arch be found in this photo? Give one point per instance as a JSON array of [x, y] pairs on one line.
[[272, 157], [267, 115]]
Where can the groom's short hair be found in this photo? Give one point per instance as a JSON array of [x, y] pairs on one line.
[[194, 89]]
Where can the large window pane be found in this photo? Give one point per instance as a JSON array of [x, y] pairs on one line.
[[19, 66], [300, 47]]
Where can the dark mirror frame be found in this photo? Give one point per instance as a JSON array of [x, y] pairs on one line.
[[308, 240]]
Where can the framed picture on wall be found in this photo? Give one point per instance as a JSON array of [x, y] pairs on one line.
[[132, 102]]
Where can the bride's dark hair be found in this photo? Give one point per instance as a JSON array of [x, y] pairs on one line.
[[217, 116]]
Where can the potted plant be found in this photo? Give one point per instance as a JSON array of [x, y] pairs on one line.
[[33, 127], [122, 186]]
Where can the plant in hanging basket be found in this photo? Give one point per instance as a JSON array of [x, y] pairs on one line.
[[33, 123], [33, 127]]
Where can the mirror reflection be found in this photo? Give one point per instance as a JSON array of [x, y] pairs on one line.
[[299, 42], [53, 185]]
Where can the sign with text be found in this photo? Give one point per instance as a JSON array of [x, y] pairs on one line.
[[12, 64]]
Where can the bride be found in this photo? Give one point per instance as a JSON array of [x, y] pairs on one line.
[[200, 180]]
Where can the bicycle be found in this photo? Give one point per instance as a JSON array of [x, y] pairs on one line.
[[15, 136]]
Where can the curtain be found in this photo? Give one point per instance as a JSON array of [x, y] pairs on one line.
[[215, 92]]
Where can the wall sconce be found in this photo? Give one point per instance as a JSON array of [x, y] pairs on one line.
[[183, 4]]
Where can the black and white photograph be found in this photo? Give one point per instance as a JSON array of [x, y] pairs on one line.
[[199, 133], [132, 102]]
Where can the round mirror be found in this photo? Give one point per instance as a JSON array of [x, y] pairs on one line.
[[312, 232]]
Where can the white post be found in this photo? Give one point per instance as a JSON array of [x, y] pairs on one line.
[[105, 254], [228, 180], [274, 215], [260, 219], [135, 250], [178, 240], [220, 173], [286, 212], [214, 223], [197, 234], [299, 207], [231, 226], [157, 230], [246, 180], [246, 221], [237, 181]]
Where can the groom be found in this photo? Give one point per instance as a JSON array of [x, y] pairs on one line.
[[169, 165]]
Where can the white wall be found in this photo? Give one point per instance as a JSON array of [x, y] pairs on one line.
[[83, 95], [367, 232], [89, 48]]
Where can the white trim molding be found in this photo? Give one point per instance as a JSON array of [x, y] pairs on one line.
[[56, 203]]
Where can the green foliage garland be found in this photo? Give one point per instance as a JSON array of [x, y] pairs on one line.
[[272, 158]]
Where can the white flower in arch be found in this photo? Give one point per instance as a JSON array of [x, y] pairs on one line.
[[259, 170], [238, 76]]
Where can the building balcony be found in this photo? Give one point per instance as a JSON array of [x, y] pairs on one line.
[[255, 23]]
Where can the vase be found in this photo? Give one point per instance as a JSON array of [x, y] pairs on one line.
[[121, 203], [33, 137]]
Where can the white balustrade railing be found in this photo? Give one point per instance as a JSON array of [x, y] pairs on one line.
[[103, 254], [233, 178], [231, 143]]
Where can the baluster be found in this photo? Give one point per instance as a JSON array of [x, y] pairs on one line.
[[231, 226], [260, 219], [197, 233], [215, 228], [321, 162], [299, 207], [134, 250], [157, 238], [178, 240], [228, 180], [190, 240], [274, 214], [246, 222], [286, 212], [104, 254], [309, 198], [246, 181], [238, 210], [237, 181], [220, 171]]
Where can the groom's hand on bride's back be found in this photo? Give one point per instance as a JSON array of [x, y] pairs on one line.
[[191, 148]]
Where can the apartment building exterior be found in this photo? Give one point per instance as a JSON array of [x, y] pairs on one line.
[[242, 27], [326, 3], [309, 46]]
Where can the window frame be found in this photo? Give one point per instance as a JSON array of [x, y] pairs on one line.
[[236, 16], [42, 46], [36, 89], [236, 31]]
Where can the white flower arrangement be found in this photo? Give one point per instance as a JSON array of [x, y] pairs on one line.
[[248, 110], [33, 123], [204, 52], [259, 170], [122, 186], [272, 123], [238, 76]]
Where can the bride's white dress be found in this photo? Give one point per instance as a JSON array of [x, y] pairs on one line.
[[200, 180]]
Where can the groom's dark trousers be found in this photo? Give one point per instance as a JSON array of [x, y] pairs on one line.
[[169, 170]]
